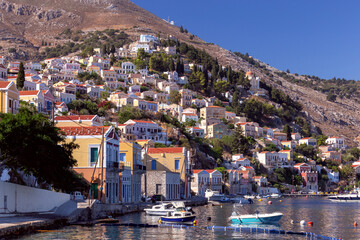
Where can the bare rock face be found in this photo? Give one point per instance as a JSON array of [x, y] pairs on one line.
[[28, 10]]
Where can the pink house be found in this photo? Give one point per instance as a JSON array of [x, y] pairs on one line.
[[302, 167]]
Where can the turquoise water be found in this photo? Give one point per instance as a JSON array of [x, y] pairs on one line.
[[330, 219]]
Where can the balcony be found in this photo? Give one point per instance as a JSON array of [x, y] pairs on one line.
[[113, 167]]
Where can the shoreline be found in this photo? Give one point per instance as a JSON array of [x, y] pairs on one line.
[[20, 225]]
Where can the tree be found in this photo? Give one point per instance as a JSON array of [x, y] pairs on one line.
[[181, 29], [287, 130], [321, 140], [331, 97], [171, 65], [355, 152], [128, 112], [31, 144], [240, 143], [112, 49], [20, 77], [306, 150], [221, 86], [271, 148], [174, 97]]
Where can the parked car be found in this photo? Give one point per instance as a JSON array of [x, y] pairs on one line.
[[76, 196], [157, 197]]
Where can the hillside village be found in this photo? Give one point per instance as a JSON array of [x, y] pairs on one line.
[[159, 117]]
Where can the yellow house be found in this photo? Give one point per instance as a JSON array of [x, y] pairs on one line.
[[172, 159], [212, 112], [130, 152], [289, 154], [78, 120], [92, 156], [35, 98], [9, 97], [145, 143]]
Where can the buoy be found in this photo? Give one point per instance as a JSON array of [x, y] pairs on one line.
[[260, 200], [209, 218], [292, 221], [159, 221], [302, 222], [269, 202], [194, 222], [280, 200], [355, 224], [307, 196], [310, 223]]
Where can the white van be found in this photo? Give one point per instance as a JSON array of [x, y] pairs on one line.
[[76, 196]]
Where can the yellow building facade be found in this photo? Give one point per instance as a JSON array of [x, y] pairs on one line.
[[9, 97]]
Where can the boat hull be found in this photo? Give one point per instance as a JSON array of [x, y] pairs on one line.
[[189, 219], [256, 220]]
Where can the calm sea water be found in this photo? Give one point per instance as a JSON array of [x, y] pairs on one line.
[[330, 219]]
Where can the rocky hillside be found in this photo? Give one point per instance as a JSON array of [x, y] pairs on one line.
[[25, 24]]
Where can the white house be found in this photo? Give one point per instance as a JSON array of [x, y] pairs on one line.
[[336, 142]]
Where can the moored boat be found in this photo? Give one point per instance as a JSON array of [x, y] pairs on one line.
[[215, 196], [161, 209], [180, 216], [257, 218], [345, 198]]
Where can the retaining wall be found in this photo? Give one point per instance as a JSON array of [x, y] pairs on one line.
[[23, 199]]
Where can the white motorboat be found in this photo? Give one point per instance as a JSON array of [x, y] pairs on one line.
[[161, 209], [345, 198], [215, 196], [257, 218], [275, 195]]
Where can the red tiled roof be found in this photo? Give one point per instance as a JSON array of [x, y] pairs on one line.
[[4, 84], [197, 170], [210, 170], [214, 107], [2, 66], [285, 150], [142, 121], [77, 131], [140, 140], [74, 117], [25, 93], [307, 138], [165, 150]]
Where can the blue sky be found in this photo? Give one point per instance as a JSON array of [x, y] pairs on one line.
[[320, 38]]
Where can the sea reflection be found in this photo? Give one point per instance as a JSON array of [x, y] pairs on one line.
[[330, 219]]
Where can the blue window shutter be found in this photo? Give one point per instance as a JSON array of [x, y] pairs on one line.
[[153, 164]]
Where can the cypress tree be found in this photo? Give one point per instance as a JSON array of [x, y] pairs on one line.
[[20, 77], [171, 65]]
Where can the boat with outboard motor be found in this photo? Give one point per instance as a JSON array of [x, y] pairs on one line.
[[257, 218], [163, 209], [180, 216]]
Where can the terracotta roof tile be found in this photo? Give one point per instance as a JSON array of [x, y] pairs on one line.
[[4, 84], [83, 131], [74, 117], [165, 150], [25, 93]]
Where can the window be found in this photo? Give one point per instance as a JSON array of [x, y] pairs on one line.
[[177, 164], [122, 157], [153, 164], [93, 155]]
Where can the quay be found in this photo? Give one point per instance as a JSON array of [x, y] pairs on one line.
[[77, 213]]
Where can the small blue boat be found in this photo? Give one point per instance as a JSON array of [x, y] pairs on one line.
[[179, 217], [265, 218]]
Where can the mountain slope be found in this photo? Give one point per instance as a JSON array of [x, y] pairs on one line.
[[24, 24]]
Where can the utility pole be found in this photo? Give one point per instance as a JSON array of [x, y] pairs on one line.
[[97, 160], [102, 166], [145, 180]]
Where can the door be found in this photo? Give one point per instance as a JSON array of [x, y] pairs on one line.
[[94, 190], [158, 188]]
